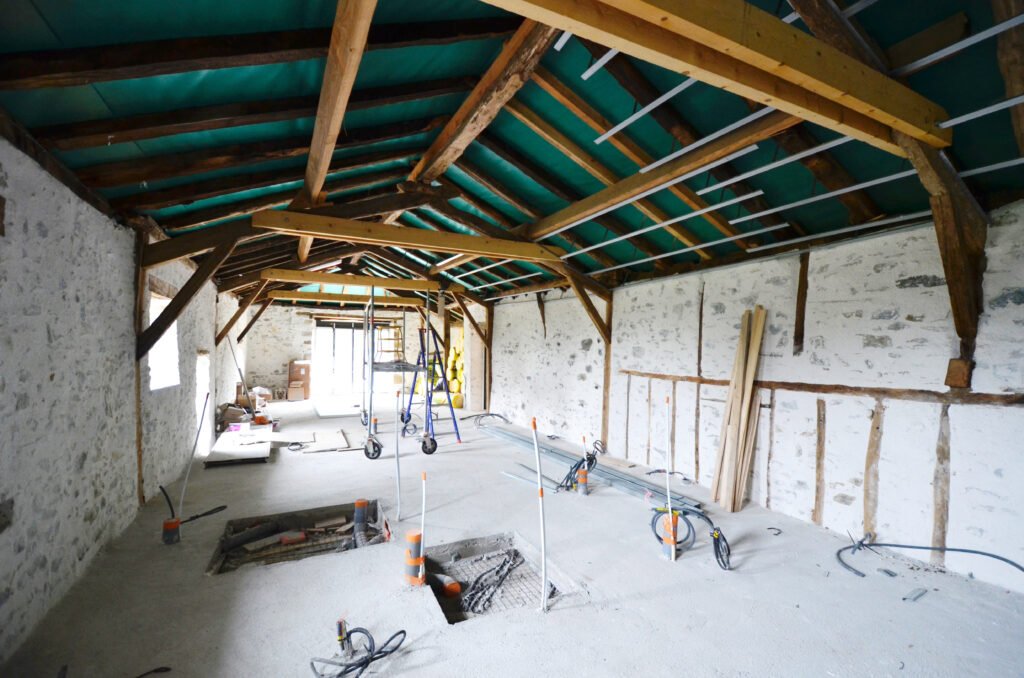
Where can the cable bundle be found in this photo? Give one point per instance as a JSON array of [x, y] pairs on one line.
[[356, 665], [718, 540], [569, 481], [480, 594]]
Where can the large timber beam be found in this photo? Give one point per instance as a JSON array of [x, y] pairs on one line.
[[285, 295], [819, 97], [1010, 53], [329, 258], [309, 278], [961, 225], [505, 76], [252, 321], [105, 132], [243, 306], [348, 42], [625, 190], [331, 228], [196, 243], [84, 66], [149, 336]]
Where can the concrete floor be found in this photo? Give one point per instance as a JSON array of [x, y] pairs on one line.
[[785, 609]]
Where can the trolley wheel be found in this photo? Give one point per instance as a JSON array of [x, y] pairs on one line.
[[429, 446], [372, 449], [363, 419], [406, 417]]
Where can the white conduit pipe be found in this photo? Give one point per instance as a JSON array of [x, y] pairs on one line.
[[502, 282], [398, 431], [668, 478], [562, 39], [709, 138], [423, 526], [543, 536], [599, 64], [848, 229]]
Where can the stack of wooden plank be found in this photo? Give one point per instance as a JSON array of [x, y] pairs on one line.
[[739, 423]]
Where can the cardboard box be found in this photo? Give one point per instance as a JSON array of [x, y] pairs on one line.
[[296, 391]]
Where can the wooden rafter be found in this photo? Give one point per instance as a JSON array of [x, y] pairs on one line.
[[196, 243], [92, 133], [83, 66], [484, 336], [309, 277], [668, 45], [1010, 53], [406, 264], [961, 225], [632, 186], [505, 76], [252, 321], [629, 148], [285, 295], [348, 42], [149, 336], [243, 306], [599, 171], [173, 165], [330, 258]]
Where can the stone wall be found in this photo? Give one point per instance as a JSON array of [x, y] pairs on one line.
[[68, 461], [877, 316], [281, 335], [227, 374]]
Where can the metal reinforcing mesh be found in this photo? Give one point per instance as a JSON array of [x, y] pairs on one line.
[[521, 588]]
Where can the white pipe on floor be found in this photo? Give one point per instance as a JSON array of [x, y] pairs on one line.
[[543, 540], [398, 468], [191, 458], [423, 526]]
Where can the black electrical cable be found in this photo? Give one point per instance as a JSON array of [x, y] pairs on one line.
[[866, 542], [204, 514], [718, 540], [169, 504], [569, 481], [356, 665]]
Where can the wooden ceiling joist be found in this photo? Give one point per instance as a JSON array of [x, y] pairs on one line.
[[196, 243], [506, 75], [348, 41], [299, 224], [87, 65], [310, 277], [92, 133], [173, 165], [844, 97], [243, 306], [624, 190], [285, 295]]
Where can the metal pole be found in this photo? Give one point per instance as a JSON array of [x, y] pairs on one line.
[[428, 374], [195, 444], [668, 477], [398, 468], [241, 377], [369, 412], [543, 539]]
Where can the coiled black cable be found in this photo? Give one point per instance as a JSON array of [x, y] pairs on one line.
[[569, 481], [718, 540], [356, 665], [866, 542]]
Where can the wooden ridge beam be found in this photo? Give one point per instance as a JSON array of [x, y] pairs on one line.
[[105, 132], [149, 336], [331, 228], [598, 21], [286, 295], [173, 165], [599, 171], [638, 183], [505, 76], [348, 42], [309, 277], [87, 65], [186, 221], [243, 306], [629, 148]]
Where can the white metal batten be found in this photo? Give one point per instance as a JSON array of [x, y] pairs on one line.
[[1006, 164], [691, 248], [924, 62], [849, 229], [599, 64], [663, 224], [1008, 103], [778, 163], [855, 8], [643, 194], [562, 40], [482, 268], [502, 282], [645, 110], [709, 138]]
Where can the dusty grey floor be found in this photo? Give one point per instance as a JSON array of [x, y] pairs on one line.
[[786, 609]]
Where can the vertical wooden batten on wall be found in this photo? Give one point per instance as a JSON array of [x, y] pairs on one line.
[[871, 467], [141, 240], [819, 466], [801, 304], [606, 400], [940, 488]]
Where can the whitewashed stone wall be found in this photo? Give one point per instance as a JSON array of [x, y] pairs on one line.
[[227, 374], [67, 380], [558, 378], [877, 315], [67, 390], [282, 334]]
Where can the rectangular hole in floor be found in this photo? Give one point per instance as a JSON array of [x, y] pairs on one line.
[[506, 571], [294, 535]]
